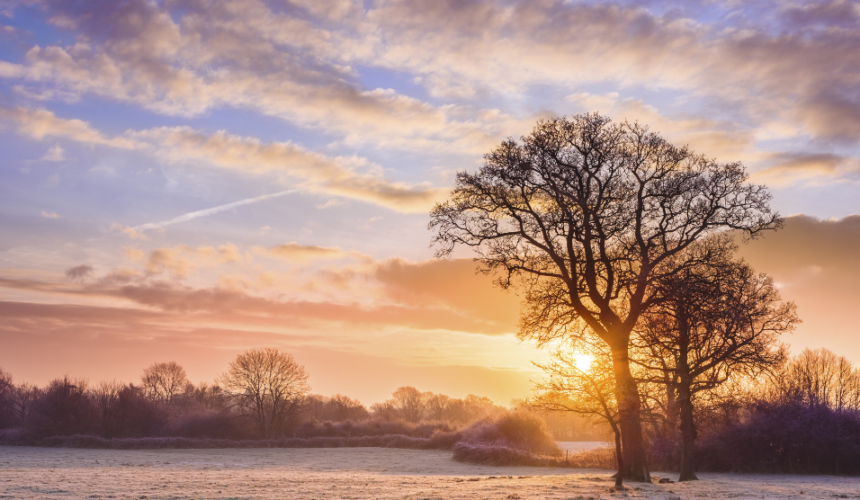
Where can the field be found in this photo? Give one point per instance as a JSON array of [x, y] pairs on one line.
[[341, 473]]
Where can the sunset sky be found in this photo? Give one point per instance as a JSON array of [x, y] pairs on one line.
[[186, 179]]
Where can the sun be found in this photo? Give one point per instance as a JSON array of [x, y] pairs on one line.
[[582, 361]]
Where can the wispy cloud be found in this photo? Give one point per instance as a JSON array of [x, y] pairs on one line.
[[210, 211]]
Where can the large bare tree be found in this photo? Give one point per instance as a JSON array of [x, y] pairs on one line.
[[589, 211], [716, 320], [267, 385]]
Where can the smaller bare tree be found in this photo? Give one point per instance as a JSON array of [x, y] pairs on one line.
[[6, 390], [164, 381], [410, 402], [268, 386], [588, 391], [22, 398]]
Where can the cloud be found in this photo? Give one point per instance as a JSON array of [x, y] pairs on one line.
[[842, 13], [451, 284], [350, 177], [41, 123], [49, 215], [181, 260], [790, 168], [55, 153], [339, 176], [131, 232], [79, 272], [209, 211], [295, 252], [815, 262]]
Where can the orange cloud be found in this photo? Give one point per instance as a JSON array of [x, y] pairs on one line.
[[295, 252]]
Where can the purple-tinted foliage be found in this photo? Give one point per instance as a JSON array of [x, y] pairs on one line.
[[374, 427], [437, 442], [517, 430], [785, 437]]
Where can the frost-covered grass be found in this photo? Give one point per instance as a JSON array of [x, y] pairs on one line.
[[29, 473]]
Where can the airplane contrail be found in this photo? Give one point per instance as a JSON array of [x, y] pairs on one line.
[[210, 211]]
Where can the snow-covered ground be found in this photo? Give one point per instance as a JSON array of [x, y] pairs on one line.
[[350, 473], [577, 446]]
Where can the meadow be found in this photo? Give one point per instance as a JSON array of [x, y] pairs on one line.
[[30, 473]]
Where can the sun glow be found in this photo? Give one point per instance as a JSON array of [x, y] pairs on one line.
[[582, 361]]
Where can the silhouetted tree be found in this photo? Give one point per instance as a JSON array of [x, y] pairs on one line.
[[438, 407], [343, 408], [62, 409], [716, 319], [7, 389], [267, 385], [582, 214], [337, 408], [163, 381], [409, 402], [817, 377], [123, 411], [23, 396], [586, 391]]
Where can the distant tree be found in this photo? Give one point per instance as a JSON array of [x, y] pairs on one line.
[[386, 410], [410, 403], [62, 409], [583, 214], [716, 319], [22, 398], [343, 408], [7, 389], [338, 408], [817, 377], [123, 411], [268, 386], [438, 407], [164, 381]]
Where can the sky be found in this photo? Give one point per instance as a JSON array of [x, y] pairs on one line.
[[182, 180]]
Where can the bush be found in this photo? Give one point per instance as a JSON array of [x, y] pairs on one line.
[[517, 430], [786, 437]]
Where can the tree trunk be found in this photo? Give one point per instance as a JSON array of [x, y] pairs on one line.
[[619, 459], [627, 394], [688, 433]]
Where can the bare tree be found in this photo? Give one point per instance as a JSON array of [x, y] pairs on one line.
[[588, 391], [818, 377], [22, 397], [344, 408], [583, 214], [337, 408], [268, 386], [6, 390], [410, 403], [438, 407], [717, 319], [164, 381]]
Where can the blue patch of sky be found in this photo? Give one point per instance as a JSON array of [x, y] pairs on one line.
[[824, 201], [34, 20], [372, 77]]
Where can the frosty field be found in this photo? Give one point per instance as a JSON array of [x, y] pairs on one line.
[[342, 473]]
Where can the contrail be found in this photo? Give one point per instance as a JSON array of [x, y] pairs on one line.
[[210, 211]]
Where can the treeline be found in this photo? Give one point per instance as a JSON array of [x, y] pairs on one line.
[[263, 395]]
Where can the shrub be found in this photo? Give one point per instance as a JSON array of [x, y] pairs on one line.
[[516, 430], [786, 437]]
